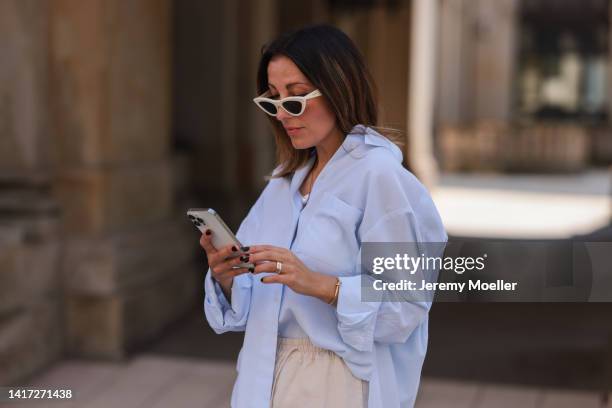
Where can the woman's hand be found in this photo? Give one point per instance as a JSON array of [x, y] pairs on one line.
[[293, 273], [220, 264]]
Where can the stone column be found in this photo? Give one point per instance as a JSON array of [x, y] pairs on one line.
[[454, 85], [261, 25], [24, 125], [477, 60], [382, 34], [217, 46], [421, 90], [30, 291], [388, 37], [127, 259], [297, 13], [355, 22], [495, 56], [204, 94], [609, 81]]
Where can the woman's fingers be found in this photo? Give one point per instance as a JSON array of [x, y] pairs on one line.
[[229, 263], [221, 255], [226, 251], [206, 243], [276, 279], [264, 257], [259, 248], [268, 255], [221, 264], [226, 268], [270, 266], [264, 266]]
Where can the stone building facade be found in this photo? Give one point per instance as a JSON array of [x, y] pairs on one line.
[[95, 254], [524, 85]]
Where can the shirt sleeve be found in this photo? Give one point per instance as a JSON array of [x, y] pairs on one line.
[[362, 323], [221, 314]]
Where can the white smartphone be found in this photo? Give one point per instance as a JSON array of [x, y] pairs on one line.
[[222, 235]]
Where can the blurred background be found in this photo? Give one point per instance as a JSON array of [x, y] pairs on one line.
[[116, 116]]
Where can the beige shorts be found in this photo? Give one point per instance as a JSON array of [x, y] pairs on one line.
[[308, 376]]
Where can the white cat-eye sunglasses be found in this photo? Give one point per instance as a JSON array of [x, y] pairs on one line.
[[293, 105]]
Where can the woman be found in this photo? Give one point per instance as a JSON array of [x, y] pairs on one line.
[[309, 339]]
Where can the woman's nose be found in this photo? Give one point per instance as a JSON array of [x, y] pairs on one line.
[[282, 114]]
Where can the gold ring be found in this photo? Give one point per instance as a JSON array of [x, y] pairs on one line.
[[279, 266]]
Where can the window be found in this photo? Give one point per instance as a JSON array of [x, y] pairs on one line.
[[563, 59]]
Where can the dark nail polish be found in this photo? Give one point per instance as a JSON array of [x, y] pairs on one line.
[[261, 280], [234, 249], [244, 249], [244, 258], [252, 270], [208, 232]]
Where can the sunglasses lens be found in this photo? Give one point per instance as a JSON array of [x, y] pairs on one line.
[[293, 107], [268, 107]]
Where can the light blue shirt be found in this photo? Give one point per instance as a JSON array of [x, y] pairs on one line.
[[288, 325], [363, 194]]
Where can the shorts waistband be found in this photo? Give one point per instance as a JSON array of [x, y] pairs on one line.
[[302, 344]]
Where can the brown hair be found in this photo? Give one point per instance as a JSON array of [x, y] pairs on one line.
[[334, 65]]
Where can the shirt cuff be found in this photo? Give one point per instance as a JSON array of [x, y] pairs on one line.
[[221, 295], [221, 315], [356, 318]]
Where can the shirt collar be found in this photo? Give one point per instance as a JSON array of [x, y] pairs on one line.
[[360, 135], [300, 174]]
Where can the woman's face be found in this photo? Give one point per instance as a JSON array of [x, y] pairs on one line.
[[317, 122]]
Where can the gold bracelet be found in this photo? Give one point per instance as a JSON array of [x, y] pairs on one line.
[[335, 298]]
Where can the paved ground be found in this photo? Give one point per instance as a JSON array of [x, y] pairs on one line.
[[153, 381], [594, 181], [541, 345], [524, 206]]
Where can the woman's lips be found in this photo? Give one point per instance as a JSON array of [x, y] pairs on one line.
[[291, 131]]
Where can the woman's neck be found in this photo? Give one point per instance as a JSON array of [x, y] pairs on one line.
[[324, 152], [327, 148]]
